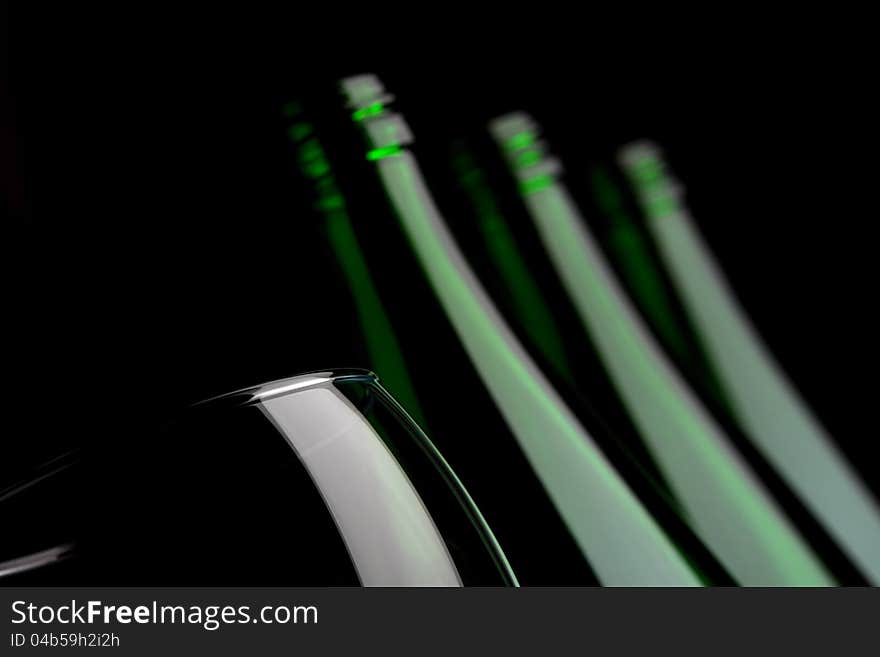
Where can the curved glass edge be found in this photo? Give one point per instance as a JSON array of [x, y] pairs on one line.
[[455, 484], [256, 394], [253, 394]]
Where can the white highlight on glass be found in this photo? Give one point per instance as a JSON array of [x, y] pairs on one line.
[[298, 384], [389, 533], [35, 560]]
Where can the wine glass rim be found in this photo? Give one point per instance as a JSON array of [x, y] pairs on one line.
[[290, 385]]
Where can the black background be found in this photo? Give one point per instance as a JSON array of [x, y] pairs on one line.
[[161, 252]]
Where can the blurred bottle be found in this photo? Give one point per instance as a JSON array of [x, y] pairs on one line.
[[714, 484], [381, 346], [483, 377], [762, 399], [632, 254]]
